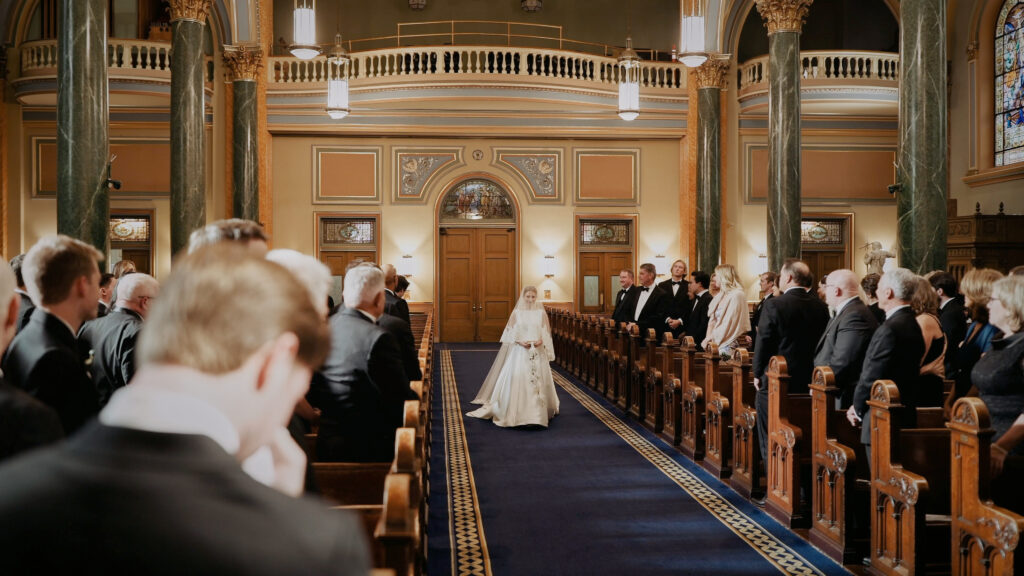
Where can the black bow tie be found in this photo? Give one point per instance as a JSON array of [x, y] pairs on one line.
[[645, 288], [674, 283]]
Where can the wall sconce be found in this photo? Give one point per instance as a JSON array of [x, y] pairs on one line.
[[549, 266], [660, 264], [417, 4], [762, 262], [531, 5], [407, 267]]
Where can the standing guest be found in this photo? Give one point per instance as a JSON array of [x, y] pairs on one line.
[[123, 268], [401, 286], [155, 487], [25, 422], [651, 304], [977, 290], [246, 232], [728, 318], [681, 303], [45, 359], [400, 329], [790, 326], [625, 298], [845, 341], [930, 386], [952, 315], [394, 306], [25, 305], [113, 338], [767, 286], [108, 282], [697, 323], [362, 388], [869, 284], [894, 353]]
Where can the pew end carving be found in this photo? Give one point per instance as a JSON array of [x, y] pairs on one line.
[[746, 455], [692, 401], [789, 448], [718, 413]]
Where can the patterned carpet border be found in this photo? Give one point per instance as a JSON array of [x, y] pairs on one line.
[[466, 529], [765, 543]]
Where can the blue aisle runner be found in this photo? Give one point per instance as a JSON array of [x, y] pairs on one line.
[[592, 494]]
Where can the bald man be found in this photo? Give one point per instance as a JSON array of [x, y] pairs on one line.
[[845, 341]]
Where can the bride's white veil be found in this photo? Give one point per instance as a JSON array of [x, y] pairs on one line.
[[508, 341]]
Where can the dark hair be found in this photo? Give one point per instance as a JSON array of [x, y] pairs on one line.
[[946, 282], [649, 268], [800, 272], [16, 263], [870, 284], [771, 277], [701, 277], [105, 279], [402, 284], [627, 271]]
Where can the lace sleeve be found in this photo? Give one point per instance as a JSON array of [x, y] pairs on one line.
[[545, 335]]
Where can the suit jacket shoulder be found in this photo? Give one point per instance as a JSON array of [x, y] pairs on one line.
[[25, 422]]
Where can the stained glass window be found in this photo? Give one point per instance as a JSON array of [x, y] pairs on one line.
[[348, 232], [821, 232], [1009, 67], [477, 200], [129, 229], [605, 233]]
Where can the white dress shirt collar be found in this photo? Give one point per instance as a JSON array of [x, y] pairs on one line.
[[891, 311], [843, 304]]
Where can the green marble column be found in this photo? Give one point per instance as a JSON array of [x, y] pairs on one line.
[[710, 78], [188, 158], [921, 200], [83, 203], [784, 20], [244, 64]]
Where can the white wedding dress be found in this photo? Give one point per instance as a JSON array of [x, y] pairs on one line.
[[519, 390]]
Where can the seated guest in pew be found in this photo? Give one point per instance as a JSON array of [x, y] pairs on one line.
[[245, 232], [25, 422], [767, 286], [894, 353], [930, 387], [113, 338], [155, 487], [46, 359], [952, 314], [697, 324], [791, 325], [362, 388], [108, 283], [401, 286], [977, 289], [626, 297], [394, 306], [999, 378], [870, 285], [681, 306], [728, 317], [25, 304], [845, 341], [651, 305]]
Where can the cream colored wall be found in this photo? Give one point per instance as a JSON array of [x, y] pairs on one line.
[[543, 228]]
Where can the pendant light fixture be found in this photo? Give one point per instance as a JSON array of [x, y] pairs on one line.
[[304, 45], [337, 82], [629, 74], [691, 41]]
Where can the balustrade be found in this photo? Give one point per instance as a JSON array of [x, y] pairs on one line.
[[844, 66]]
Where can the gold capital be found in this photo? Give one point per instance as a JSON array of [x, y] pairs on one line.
[[243, 61], [783, 15], [972, 51], [196, 10], [712, 73]]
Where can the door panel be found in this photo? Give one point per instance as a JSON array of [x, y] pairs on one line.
[[498, 286], [338, 261], [598, 280], [458, 322], [478, 288]]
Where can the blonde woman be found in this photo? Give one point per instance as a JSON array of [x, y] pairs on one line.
[[728, 319]]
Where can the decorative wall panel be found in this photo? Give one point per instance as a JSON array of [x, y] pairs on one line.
[[143, 166], [828, 174], [541, 169], [346, 175], [415, 167], [608, 177]]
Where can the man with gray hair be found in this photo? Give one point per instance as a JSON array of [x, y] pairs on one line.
[[894, 353], [246, 232], [113, 337], [361, 389], [393, 305]]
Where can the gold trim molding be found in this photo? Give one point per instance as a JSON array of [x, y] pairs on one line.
[[783, 15], [196, 10], [711, 74], [244, 62]]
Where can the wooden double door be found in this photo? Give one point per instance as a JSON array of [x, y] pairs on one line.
[[477, 283], [598, 280]]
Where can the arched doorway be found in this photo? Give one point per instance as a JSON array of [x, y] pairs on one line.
[[477, 259]]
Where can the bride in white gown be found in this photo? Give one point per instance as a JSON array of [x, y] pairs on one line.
[[519, 390]]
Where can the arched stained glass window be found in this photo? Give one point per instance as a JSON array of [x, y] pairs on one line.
[[477, 200], [1009, 67]]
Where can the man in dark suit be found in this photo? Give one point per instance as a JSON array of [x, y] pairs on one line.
[[767, 284], [790, 326], [402, 334], [25, 306], [45, 358], [651, 304], [697, 323], [393, 305], [952, 315], [25, 422], [108, 283], [113, 338], [846, 337], [626, 297], [894, 353], [216, 384], [682, 305], [362, 388]]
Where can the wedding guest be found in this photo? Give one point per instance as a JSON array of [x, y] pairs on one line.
[[246, 232], [869, 284], [624, 299], [399, 328], [681, 306], [728, 318], [697, 324], [401, 286], [952, 315], [651, 304], [767, 286], [843, 345], [25, 304], [108, 282], [977, 289], [123, 268], [925, 303], [394, 305]]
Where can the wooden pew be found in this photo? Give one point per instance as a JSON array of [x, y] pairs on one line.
[[589, 350], [398, 533], [637, 373], [746, 454], [625, 368], [839, 473], [718, 378], [985, 537], [597, 351], [617, 352], [606, 327], [671, 396], [910, 489], [692, 402], [653, 409], [789, 447]]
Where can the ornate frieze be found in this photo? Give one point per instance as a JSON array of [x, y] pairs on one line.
[[196, 10], [243, 62], [541, 169], [783, 15], [414, 169], [712, 73]]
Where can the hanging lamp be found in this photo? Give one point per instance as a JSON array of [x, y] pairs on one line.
[[304, 45], [691, 29], [337, 82], [629, 82]]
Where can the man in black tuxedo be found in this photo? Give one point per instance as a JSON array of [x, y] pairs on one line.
[[216, 383], [113, 338], [108, 283], [894, 353], [651, 304], [45, 358], [626, 298], [845, 341], [25, 422], [402, 334], [362, 388], [952, 315], [393, 305], [767, 284], [790, 326], [25, 306], [697, 324], [682, 305]]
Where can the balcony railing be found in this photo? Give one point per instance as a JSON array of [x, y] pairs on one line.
[[826, 67], [125, 59]]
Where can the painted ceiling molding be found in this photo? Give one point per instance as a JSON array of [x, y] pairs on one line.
[[415, 167], [541, 169]]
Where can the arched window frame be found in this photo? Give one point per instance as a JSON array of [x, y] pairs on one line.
[[1009, 84]]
